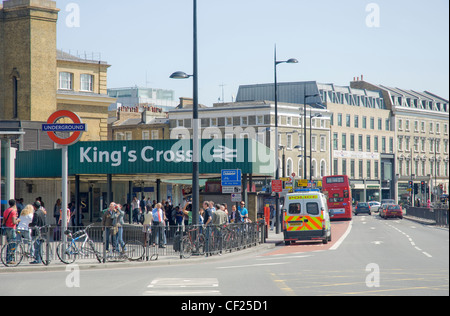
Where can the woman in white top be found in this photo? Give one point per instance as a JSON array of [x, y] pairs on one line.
[[23, 229]]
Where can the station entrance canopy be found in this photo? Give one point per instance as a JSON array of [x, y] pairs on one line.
[[166, 159]]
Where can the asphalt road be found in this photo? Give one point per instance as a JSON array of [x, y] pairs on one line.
[[373, 257]]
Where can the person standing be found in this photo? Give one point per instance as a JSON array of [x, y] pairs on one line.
[[235, 216], [23, 229], [135, 210], [243, 211], [10, 222], [119, 222], [107, 223], [158, 222], [39, 220]]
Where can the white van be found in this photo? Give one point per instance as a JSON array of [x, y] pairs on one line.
[[306, 217]]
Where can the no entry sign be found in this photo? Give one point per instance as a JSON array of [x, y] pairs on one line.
[[77, 127]]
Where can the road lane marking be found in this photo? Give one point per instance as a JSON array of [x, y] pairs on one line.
[[411, 241], [253, 265], [341, 240], [183, 286]]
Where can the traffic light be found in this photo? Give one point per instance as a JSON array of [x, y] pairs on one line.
[[410, 185], [422, 186], [416, 188]]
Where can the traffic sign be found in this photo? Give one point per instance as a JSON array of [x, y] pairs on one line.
[[277, 186], [228, 190], [237, 197], [231, 178], [77, 127]]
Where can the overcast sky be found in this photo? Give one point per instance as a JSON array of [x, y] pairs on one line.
[[399, 43]]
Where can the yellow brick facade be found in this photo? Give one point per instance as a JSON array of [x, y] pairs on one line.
[[30, 67]]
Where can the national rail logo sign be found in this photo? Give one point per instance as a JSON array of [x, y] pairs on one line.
[[53, 127]]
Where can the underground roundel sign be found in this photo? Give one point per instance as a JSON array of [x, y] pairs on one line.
[[53, 127]]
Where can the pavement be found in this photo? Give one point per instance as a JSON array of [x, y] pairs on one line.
[[272, 241]]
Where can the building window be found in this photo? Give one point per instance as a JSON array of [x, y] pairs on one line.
[[360, 169], [314, 143], [335, 167], [145, 135], [356, 121], [344, 141], [260, 120], [289, 142], [155, 134], [87, 82], [323, 169], [347, 120], [65, 81], [335, 141], [352, 142], [339, 119], [323, 143], [352, 169]]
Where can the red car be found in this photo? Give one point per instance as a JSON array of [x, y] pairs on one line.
[[391, 210]]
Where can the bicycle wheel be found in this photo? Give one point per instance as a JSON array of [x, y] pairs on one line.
[[12, 254], [200, 245], [67, 252], [46, 252], [186, 248], [134, 250], [89, 249]]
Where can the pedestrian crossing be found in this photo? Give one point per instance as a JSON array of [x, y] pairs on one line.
[[183, 286]]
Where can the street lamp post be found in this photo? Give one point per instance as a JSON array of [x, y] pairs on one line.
[[310, 141], [277, 176], [305, 176], [196, 123]]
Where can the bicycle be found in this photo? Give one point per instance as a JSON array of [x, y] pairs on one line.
[[68, 251], [13, 253], [133, 250], [193, 245]]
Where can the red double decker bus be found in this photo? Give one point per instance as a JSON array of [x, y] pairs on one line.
[[339, 196]]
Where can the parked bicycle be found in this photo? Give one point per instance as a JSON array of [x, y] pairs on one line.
[[13, 253], [133, 250], [193, 243], [69, 251]]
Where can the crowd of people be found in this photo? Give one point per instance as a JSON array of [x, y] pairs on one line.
[[178, 215], [19, 219], [156, 217], [18, 222]]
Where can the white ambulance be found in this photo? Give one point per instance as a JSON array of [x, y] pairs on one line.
[[306, 217]]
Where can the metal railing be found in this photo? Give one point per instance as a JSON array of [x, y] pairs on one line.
[[440, 217], [160, 241]]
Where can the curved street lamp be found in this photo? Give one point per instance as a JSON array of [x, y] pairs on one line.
[[277, 145]]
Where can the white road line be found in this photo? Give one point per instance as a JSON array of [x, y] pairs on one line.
[[411, 241], [341, 240], [183, 286], [253, 265]]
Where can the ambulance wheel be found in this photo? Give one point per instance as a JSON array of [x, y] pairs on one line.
[[287, 242], [325, 241]]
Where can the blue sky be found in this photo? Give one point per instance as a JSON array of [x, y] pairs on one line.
[[146, 41]]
